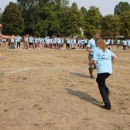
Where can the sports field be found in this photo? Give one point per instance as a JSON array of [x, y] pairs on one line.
[[51, 90]]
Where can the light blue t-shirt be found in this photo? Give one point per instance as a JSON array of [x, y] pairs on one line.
[[85, 41], [68, 41], [30, 39], [18, 39], [104, 60], [91, 45], [36, 40], [128, 42], [118, 42], [59, 40], [79, 41], [107, 42], [124, 42]]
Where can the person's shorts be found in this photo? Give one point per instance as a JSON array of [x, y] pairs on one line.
[[36, 44], [85, 44], [90, 58], [59, 44], [118, 44], [30, 43], [67, 45]]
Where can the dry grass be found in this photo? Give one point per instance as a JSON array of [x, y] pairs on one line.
[[51, 90]]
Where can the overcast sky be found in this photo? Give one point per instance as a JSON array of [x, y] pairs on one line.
[[105, 6]]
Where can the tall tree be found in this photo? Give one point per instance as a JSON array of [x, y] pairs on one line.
[[125, 23], [12, 19], [48, 23], [121, 7], [93, 21], [110, 26], [73, 21]]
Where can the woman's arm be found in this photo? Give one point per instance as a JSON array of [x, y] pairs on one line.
[[6, 37], [114, 58]]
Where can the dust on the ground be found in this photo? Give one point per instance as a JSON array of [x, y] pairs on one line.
[[50, 89]]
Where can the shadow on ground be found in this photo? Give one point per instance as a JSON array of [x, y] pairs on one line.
[[84, 96], [79, 74]]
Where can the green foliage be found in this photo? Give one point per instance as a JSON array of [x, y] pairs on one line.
[[12, 20], [121, 7], [92, 21], [55, 17], [110, 26], [72, 21], [125, 23]]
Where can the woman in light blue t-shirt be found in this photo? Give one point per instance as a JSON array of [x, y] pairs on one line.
[[103, 59]]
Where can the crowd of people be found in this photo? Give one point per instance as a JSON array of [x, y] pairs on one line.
[[55, 42], [28, 41]]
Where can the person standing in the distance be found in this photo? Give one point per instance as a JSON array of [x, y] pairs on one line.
[[118, 43], [18, 40], [26, 38], [124, 44], [90, 47], [103, 59], [112, 42], [4, 36], [12, 43], [128, 43]]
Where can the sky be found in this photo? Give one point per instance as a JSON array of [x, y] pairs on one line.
[[105, 6]]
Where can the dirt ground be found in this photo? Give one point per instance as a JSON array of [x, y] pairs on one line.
[[50, 89]]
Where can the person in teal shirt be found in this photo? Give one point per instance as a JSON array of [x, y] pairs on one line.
[[128, 42], [90, 47], [18, 40], [118, 43], [124, 44], [103, 59]]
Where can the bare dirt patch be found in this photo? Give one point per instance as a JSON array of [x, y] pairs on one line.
[[51, 90]]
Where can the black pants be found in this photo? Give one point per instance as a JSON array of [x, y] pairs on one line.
[[101, 78], [124, 47], [18, 44]]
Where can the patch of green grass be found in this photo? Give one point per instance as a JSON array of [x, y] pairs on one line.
[[24, 78], [37, 107], [21, 109], [5, 110], [36, 124], [117, 127]]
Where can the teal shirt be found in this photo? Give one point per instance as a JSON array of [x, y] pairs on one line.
[[128, 42], [91, 45], [124, 42], [104, 60], [118, 42], [18, 39]]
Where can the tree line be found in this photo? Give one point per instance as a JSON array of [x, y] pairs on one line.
[[55, 17]]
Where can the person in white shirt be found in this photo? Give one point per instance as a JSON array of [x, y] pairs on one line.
[[18, 40]]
